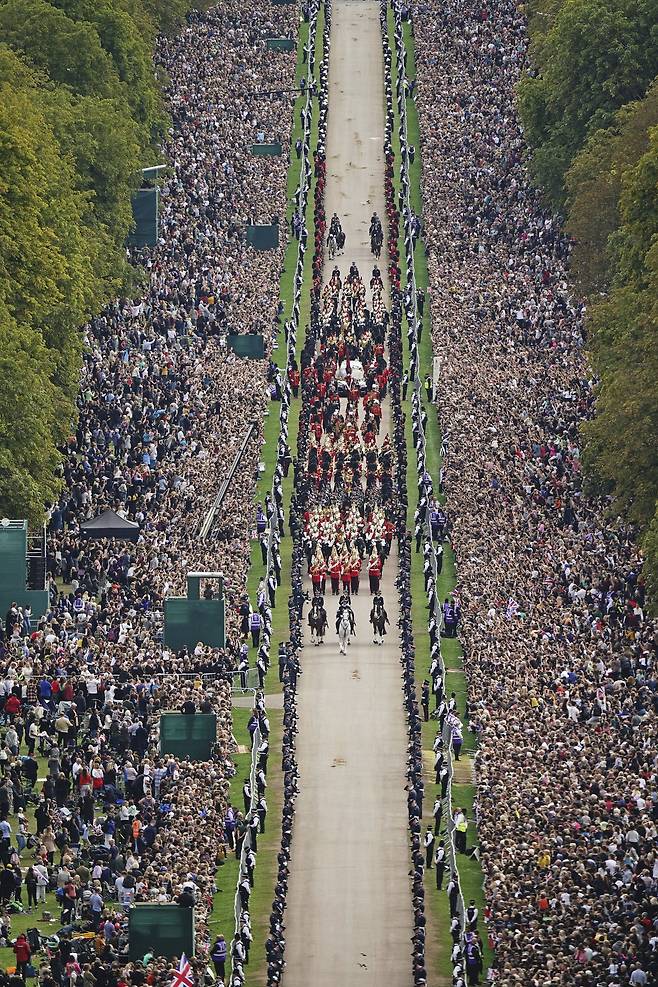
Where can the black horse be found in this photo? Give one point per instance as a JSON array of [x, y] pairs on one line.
[[317, 621], [379, 620]]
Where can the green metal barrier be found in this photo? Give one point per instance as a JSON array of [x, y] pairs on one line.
[[14, 571], [248, 345], [145, 203], [164, 930], [190, 619], [266, 150], [263, 237], [281, 44], [188, 735]]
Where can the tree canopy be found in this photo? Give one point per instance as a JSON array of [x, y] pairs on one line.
[[590, 108], [80, 115], [596, 56]]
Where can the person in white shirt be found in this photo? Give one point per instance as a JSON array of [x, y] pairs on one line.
[[41, 872]]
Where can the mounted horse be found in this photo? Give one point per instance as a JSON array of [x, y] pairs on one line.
[[317, 621], [345, 627], [376, 241], [379, 620]]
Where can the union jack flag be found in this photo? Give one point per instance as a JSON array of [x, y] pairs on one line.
[[182, 977]]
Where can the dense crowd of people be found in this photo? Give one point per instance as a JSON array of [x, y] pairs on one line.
[[437, 847], [163, 403], [163, 408], [559, 653]]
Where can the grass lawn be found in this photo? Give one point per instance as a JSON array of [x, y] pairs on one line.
[[20, 922], [271, 436], [260, 902], [439, 943]]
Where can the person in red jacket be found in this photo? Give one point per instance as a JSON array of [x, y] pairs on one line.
[[12, 705], [293, 375], [355, 572], [346, 577], [23, 952], [335, 571], [318, 576], [374, 572]]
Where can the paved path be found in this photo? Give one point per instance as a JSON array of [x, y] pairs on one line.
[[349, 904], [273, 701]]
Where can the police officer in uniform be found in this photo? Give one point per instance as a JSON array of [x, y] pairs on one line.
[[255, 625], [440, 862], [429, 847], [283, 659]]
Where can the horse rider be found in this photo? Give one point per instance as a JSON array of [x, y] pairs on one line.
[[336, 231], [345, 626], [378, 619], [344, 606], [317, 620], [376, 279], [334, 226], [376, 235]]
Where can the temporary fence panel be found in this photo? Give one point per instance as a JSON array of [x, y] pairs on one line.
[[188, 735], [145, 204], [186, 622], [245, 681], [164, 930], [266, 150], [248, 345], [281, 44], [263, 237], [13, 571]]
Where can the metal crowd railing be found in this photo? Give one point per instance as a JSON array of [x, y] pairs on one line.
[[207, 526], [292, 326], [206, 678], [411, 308], [246, 843], [276, 513]]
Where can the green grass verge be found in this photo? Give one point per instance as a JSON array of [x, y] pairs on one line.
[[439, 943], [271, 429], [262, 895], [260, 902]]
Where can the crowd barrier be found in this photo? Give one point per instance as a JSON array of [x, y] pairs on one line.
[[291, 327], [276, 510], [207, 528], [206, 678], [425, 486]]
